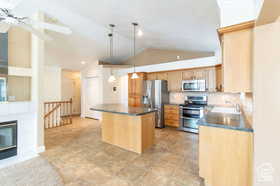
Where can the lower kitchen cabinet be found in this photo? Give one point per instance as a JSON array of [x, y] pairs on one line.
[[172, 115], [225, 156]]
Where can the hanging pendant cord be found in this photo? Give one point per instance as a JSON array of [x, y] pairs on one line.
[[134, 41]]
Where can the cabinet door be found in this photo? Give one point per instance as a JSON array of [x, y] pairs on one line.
[[152, 76], [188, 75], [174, 81], [199, 74], [211, 79], [237, 60], [219, 80], [162, 75]]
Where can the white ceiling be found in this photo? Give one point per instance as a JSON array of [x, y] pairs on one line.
[[166, 24]]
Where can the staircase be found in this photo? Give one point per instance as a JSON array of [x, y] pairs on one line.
[[57, 113]]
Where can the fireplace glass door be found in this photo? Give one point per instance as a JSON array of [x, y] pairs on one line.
[[8, 139]]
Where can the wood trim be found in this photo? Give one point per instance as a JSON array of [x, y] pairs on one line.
[[183, 69], [237, 27]]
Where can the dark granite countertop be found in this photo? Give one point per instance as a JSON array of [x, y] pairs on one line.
[[122, 109], [226, 121]]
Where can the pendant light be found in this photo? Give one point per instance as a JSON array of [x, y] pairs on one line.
[[134, 75], [112, 77]]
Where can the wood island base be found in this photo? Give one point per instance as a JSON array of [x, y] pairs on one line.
[[133, 133]]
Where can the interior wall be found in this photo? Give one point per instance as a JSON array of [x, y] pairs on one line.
[[156, 56], [266, 104], [19, 88], [71, 89], [19, 47], [52, 84]]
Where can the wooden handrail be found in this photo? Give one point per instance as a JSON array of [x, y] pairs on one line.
[[57, 113], [50, 112]]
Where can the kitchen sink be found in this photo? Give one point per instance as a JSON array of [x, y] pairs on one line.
[[226, 110]]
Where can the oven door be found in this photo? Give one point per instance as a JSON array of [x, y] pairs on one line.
[[188, 112], [189, 123]]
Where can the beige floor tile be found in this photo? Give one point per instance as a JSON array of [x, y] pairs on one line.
[[81, 158]]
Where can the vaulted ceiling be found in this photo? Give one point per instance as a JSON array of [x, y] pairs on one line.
[[178, 24]]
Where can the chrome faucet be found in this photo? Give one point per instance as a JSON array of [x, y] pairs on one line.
[[236, 105]]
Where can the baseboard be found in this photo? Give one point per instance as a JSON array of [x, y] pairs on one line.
[[41, 149]]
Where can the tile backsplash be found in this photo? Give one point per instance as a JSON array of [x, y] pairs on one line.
[[213, 98], [244, 100]]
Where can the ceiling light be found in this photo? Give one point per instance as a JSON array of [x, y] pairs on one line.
[[111, 35], [134, 76], [111, 79], [140, 33], [83, 62]]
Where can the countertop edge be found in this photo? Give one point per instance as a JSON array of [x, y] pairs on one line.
[[224, 127], [123, 113]]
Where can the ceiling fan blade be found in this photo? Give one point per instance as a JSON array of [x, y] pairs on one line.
[[9, 4], [4, 27], [35, 32], [52, 27]]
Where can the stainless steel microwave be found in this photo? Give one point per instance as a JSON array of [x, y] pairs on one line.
[[194, 85]]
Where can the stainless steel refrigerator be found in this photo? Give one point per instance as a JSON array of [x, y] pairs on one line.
[[155, 96]]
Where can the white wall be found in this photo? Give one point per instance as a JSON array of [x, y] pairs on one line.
[[52, 83], [236, 11], [107, 95], [266, 105]]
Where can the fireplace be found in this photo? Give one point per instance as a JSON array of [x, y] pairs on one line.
[[8, 139]]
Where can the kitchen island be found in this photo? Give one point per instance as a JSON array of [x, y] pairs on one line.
[[131, 128]]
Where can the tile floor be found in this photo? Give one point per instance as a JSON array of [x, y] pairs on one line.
[[81, 158]]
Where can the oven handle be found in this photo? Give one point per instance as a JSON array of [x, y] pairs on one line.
[[191, 108], [12, 124], [182, 117]]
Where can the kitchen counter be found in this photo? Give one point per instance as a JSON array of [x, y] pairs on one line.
[[123, 109], [226, 121]]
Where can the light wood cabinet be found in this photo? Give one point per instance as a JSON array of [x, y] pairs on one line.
[[152, 76], [237, 46], [174, 81], [228, 153], [172, 115], [135, 89], [219, 78], [162, 76]]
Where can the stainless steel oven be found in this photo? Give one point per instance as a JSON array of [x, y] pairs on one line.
[[194, 85], [8, 139], [191, 112]]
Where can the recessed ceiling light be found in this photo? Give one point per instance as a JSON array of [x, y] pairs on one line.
[[83, 62], [139, 33]]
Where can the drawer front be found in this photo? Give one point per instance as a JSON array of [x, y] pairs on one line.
[[172, 123], [172, 107], [171, 116]]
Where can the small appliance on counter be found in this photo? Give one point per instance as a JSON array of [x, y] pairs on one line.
[[191, 112], [155, 96], [197, 85]]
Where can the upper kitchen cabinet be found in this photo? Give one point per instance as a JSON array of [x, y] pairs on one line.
[[157, 76], [174, 79], [237, 46], [162, 76], [135, 89]]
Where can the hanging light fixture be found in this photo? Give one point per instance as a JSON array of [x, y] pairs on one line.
[[112, 77], [134, 75]]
